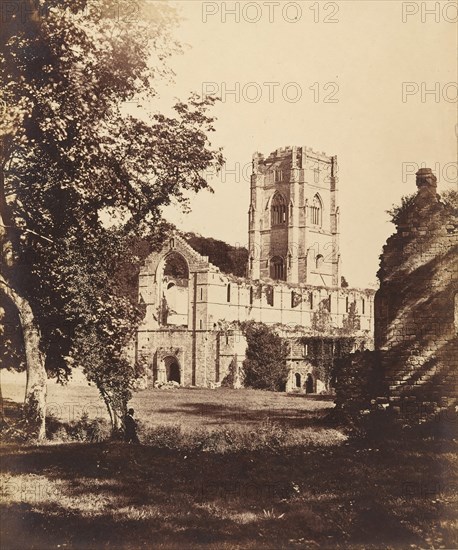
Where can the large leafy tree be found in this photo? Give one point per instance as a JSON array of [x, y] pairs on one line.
[[71, 153]]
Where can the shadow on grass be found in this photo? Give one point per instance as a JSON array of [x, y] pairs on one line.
[[121, 496], [217, 414], [11, 410]]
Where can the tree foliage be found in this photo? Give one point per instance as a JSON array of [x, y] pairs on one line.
[[397, 213], [230, 259], [71, 155], [265, 366]]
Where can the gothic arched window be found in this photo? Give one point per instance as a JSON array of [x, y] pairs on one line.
[[319, 261], [278, 210], [277, 268], [316, 211]]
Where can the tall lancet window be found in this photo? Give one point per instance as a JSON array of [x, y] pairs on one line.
[[278, 210], [277, 268], [316, 211]]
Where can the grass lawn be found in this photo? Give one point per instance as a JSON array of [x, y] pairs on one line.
[[186, 407], [226, 407], [334, 493]]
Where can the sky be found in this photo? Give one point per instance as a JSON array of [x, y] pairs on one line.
[[373, 82]]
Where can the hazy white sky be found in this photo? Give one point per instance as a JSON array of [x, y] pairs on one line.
[[358, 60]]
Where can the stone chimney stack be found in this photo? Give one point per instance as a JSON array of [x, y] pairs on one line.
[[427, 184]]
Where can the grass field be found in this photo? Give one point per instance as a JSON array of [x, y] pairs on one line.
[[332, 493], [189, 408]]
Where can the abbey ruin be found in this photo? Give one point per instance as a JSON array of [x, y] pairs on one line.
[[191, 332]]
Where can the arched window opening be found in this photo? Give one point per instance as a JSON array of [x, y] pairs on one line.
[[251, 262], [201, 293], [278, 210], [311, 300], [363, 306], [319, 260], [347, 304], [277, 269], [251, 295], [175, 287], [176, 267], [200, 324], [297, 376], [228, 292], [316, 210]]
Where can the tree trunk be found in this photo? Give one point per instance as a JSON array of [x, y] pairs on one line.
[[35, 393], [116, 423]]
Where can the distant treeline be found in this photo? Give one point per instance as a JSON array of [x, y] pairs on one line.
[[230, 259]]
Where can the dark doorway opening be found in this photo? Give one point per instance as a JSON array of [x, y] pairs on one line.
[[174, 373], [172, 370], [309, 384]]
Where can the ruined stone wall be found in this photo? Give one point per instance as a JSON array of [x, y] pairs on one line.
[[318, 357], [272, 302], [415, 307], [204, 357]]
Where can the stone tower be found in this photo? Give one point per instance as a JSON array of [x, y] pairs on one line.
[[294, 217]]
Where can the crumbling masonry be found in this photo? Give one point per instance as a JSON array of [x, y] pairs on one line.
[[416, 307]]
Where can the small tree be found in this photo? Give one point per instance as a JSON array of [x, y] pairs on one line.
[[265, 365]]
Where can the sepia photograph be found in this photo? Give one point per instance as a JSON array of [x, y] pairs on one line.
[[228, 274]]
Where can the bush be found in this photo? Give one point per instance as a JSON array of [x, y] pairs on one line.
[[265, 365], [84, 430], [165, 437]]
